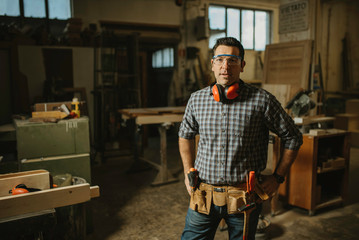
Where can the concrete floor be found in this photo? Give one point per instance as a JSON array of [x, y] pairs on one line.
[[130, 208]]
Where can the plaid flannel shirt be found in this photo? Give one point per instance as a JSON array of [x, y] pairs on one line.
[[234, 137]]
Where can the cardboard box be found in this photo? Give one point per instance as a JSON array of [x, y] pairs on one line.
[[352, 106], [347, 121]]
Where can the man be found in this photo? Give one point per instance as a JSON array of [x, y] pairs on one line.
[[233, 120]]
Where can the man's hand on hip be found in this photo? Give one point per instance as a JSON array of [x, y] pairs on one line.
[[269, 185]]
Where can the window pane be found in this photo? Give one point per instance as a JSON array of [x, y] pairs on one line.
[[216, 17], [171, 57], [247, 29], [233, 23], [166, 57], [261, 30], [34, 8], [213, 38], [157, 59], [60, 9], [9, 7], [163, 58]]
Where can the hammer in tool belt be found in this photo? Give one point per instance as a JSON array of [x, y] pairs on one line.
[[193, 178], [250, 203]]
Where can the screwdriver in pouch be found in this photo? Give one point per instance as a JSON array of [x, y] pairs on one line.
[[193, 178]]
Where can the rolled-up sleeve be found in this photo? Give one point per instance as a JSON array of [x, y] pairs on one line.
[[189, 126], [280, 123]]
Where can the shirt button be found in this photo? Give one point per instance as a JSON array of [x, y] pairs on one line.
[[223, 114], [223, 130], [223, 146]]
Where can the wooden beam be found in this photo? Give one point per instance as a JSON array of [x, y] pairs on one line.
[[45, 199], [94, 191], [49, 114], [155, 119]]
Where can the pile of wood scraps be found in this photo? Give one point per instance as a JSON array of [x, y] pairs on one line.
[[52, 112]]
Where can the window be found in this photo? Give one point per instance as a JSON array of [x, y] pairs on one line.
[[163, 58], [52, 9], [60, 9], [9, 8], [251, 27]]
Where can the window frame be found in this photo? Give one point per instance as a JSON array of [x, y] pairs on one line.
[[47, 14], [225, 30]]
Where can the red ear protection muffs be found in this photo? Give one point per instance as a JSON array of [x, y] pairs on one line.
[[21, 188], [221, 94]]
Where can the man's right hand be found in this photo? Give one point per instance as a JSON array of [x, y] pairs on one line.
[[186, 182]]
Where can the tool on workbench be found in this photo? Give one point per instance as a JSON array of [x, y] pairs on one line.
[[193, 178], [250, 202], [22, 188], [75, 110]]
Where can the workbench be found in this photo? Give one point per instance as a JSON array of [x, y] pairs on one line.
[[35, 212], [165, 117]]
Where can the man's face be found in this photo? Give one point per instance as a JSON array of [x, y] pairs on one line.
[[225, 73]]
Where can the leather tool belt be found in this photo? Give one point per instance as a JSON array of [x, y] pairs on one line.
[[232, 196]]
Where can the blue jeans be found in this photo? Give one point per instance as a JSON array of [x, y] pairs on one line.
[[202, 226]]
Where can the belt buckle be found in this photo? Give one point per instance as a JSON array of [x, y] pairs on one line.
[[218, 189]]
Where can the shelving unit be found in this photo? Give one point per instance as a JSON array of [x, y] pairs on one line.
[[312, 182], [116, 86]]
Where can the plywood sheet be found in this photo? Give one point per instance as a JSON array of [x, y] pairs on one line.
[[288, 63], [280, 91]]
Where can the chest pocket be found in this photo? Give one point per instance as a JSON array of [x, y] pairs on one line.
[[247, 124]]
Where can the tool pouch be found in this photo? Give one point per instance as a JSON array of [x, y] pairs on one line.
[[219, 198], [201, 200], [236, 199]]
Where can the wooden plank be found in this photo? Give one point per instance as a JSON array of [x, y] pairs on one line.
[[49, 114], [288, 63], [155, 119], [94, 191], [32, 179], [133, 112], [45, 199]]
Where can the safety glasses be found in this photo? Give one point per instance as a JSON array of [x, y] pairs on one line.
[[231, 60]]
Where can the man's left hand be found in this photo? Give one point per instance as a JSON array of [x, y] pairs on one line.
[[269, 184]]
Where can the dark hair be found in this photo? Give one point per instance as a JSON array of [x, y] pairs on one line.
[[229, 41]]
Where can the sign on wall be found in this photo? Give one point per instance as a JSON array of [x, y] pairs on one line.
[[293, 17]]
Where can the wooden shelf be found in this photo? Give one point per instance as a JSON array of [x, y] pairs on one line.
[[330, 202], [308, 184], [325, 170]]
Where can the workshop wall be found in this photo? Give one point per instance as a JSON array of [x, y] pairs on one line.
[[166, 12], [31, 63], [329, 22], [134, 11], [339, 20]]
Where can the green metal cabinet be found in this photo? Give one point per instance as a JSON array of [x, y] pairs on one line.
[[77, 165], [36, 140]]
